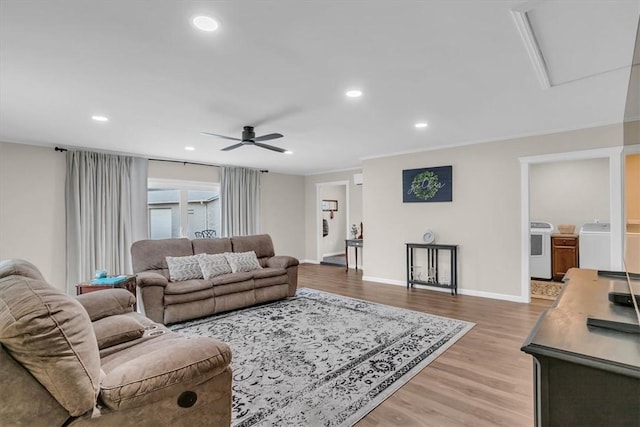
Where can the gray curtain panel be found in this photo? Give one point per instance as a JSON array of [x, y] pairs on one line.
[[106, 211], [239, 201]]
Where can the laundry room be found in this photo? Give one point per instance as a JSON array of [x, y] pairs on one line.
[[569, 213], [632, 212]]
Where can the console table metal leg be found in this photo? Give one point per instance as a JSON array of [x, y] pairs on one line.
[[346, 256], [454, 272]]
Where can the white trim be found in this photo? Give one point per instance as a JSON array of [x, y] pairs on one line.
[[617, 210], [308, 261], [631, 149], [319, 213], [333, 254], [354, 168], [616, 182], [469, 292], [495, 139], [523, 24], [596, 153], [525, 273], [385, 281]]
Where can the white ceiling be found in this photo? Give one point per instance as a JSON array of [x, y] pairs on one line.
[[284, 66]]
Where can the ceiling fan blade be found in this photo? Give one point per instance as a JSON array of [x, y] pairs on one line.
[[220, 136], [270, 147], [268, 137], [232, 147]]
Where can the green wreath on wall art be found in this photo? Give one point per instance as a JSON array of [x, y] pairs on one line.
[[425, 185]]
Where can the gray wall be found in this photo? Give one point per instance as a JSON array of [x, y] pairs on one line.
[[571, 192]]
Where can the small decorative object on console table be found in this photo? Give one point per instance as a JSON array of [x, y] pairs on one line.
[[434, 277], [126, 282]]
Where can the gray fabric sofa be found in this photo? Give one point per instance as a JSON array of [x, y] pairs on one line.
[[166, 301], [93, 361]]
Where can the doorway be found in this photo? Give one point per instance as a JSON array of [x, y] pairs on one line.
[[614, 156], [332, 222]]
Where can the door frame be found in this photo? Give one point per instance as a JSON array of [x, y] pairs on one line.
[[318, 227], [616, 204]]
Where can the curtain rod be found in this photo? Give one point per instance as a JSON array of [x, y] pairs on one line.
[[62, 150]]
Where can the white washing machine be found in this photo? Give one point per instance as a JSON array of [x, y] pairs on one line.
[[540, 249], [595, 246]]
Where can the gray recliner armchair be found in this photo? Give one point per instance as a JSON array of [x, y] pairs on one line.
[[92, 360]]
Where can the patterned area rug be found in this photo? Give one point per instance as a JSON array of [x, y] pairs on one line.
[[322, 359], [545, 290]]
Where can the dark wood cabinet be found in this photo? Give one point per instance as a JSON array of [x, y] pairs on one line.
[[564, 254], [585, 375]]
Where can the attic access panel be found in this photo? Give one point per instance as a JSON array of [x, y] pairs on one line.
[[582, 39]]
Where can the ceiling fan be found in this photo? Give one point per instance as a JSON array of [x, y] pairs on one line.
[[249, 138]]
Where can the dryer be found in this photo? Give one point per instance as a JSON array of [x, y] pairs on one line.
[[595, 246], [540, 249]]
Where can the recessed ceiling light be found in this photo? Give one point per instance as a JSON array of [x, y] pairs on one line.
[[355, 93], [205, 23], [100, 118], [189, 148], [421, 125], [288, 152]]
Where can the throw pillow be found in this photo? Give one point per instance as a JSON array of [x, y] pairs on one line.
[[114, 330], [184, 268], [214, 265], [242, 261]]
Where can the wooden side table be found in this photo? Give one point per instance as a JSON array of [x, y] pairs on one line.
[[130, 284]]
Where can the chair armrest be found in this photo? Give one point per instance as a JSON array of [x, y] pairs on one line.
[[162, 369], [282, 261], [107, 302], [149, 278]]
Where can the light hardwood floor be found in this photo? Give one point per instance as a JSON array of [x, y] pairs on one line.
[[482, 380]]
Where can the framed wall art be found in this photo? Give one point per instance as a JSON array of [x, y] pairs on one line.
[[427, 185]]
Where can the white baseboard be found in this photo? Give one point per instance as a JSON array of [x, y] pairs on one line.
[[386, 281], [309, 261], [333, 254], [470, 292]]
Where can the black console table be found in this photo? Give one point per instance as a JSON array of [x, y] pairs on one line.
[[585, 375], [433, 276], [354, 243]]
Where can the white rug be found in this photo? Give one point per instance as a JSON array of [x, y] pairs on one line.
[[322, 359]]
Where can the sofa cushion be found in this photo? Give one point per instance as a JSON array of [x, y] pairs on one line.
[[148, 373], [243, 261], [114, 330], [261, 244], [268, 272], [187, 286], [214, 265], [232, 278], [50, 334], [19, 267], [211, 246], [150, 254], [184, 268], [107, 303]]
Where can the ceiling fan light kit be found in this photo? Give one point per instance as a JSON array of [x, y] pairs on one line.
[[249, 138]]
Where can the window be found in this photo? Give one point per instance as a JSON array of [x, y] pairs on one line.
[[183, 209]]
